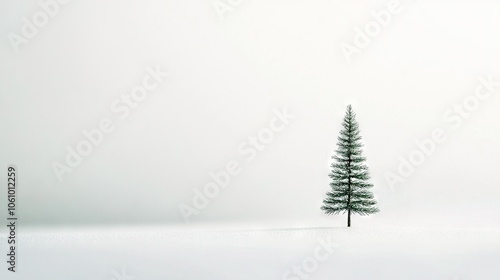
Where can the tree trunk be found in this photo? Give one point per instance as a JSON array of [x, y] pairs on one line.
[[349, 182], [349, 218], [349, 196]]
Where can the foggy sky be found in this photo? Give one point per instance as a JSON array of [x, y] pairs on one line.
[[226, 79]]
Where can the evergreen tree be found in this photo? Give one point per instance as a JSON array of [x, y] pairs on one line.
[[350, 187]]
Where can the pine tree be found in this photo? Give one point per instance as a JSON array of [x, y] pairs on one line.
[[350, 187]]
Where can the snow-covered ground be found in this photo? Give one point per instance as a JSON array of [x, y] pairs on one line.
[[156, 253]]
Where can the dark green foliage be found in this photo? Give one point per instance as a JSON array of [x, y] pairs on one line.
[[350, 187]]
